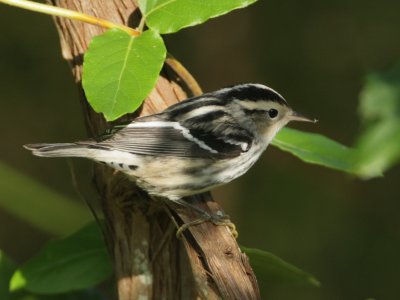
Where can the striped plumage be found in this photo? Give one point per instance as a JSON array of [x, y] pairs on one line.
[[192, 146]]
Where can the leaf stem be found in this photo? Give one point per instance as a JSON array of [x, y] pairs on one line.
[[66, 13], [141, 24], [179, 69]]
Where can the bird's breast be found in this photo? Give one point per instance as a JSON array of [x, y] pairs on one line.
[[233, 168]]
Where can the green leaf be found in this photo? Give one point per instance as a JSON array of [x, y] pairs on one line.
[[76, 262], [379, 143], [48, 210], [168, 16], [270, 268], [316, 149], [120, 70], [380, 96], [378, 146], [7, 268]]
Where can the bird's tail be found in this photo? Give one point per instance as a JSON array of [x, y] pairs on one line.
[[59, 150]]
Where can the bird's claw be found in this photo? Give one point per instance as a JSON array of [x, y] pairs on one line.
[[219, 220]]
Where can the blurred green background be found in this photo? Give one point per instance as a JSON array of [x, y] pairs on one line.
[[343, 230]]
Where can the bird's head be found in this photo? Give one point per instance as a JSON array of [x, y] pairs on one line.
[[268, 110]]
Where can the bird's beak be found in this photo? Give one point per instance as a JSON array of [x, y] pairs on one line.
[[295, 116]]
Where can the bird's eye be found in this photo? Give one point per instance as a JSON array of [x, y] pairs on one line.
[[273, 113]]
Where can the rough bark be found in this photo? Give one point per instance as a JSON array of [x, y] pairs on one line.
[[149, 260]]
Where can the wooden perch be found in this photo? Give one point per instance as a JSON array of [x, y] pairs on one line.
[[149, 260]]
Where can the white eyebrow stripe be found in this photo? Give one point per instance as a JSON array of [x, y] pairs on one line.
[[253, 105], [177, 126]]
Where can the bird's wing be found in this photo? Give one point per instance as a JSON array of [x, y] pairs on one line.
[[158, 136]]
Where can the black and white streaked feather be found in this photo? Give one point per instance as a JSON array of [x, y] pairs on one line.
[[184, 130], [193, 145], [187, 138]]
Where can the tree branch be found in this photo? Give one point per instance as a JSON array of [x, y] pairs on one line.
[[149, 260]]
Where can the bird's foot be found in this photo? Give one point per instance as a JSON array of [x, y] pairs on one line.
[[217, 219]]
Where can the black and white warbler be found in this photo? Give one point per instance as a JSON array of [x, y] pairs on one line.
[[192, 146]]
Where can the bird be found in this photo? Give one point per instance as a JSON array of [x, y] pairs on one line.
[[191, 147]]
